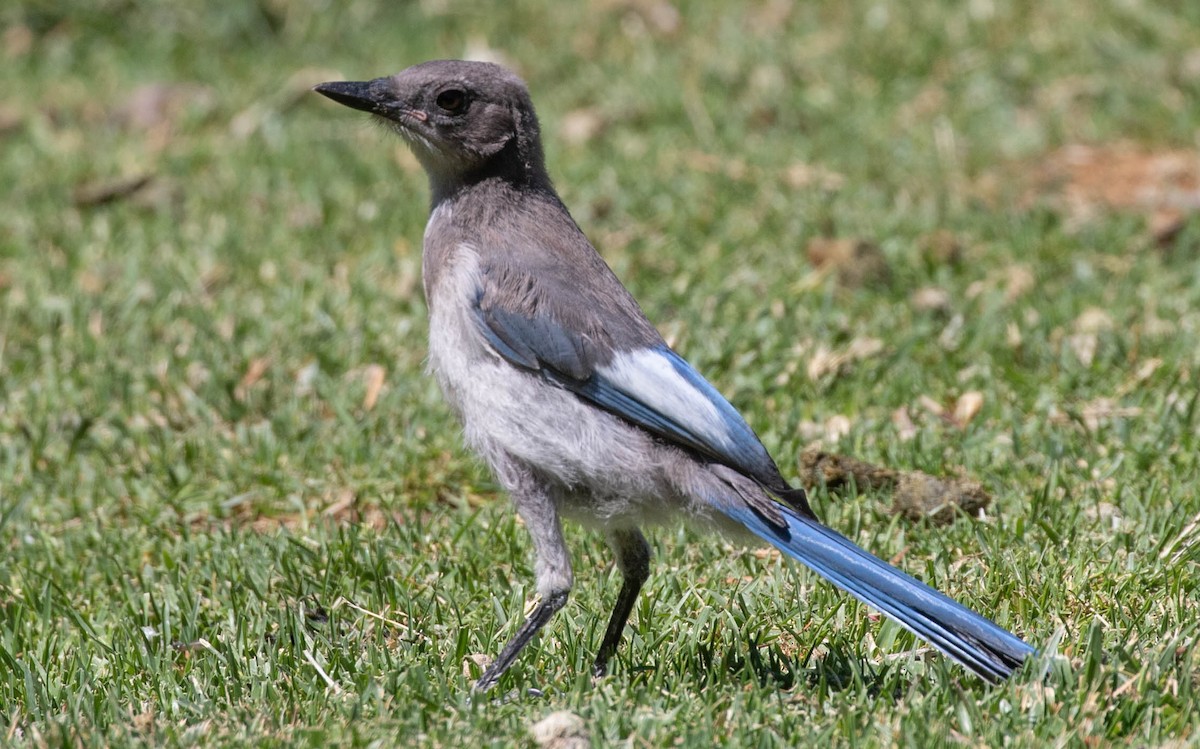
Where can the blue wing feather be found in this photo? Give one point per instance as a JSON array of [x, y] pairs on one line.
[[654, 388], [697, 414]]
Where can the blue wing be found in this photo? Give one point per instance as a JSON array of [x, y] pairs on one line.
[[652, 387]]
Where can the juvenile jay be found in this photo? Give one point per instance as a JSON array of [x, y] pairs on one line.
[[573, 398]]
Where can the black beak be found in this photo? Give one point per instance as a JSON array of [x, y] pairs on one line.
[[362, 95]]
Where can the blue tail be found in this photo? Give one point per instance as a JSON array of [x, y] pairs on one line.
[[968, 638]]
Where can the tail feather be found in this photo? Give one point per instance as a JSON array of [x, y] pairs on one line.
[[972, 640]]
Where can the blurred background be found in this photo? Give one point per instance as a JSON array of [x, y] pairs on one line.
[[953, 237]]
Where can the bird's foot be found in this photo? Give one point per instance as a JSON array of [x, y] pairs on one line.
[[599, 669]]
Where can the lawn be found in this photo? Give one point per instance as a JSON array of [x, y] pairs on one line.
[[959, 238]]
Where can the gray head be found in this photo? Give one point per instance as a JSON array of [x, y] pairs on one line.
[[465, 121]]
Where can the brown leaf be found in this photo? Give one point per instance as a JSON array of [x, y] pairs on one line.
[[800, 176], [17, 41], [905, 428], [825, 361], [836, 427], [932, 406], [931, 299], [967, 407], [1083, 345], [1146, 369], [254, 373], [373, 378], [1093, 320], [943, 248], [857, 262], [100, 193], [1165, 227], [1019, 280], [475, 664], [342, 507], [10, 120], [95, 323], [1012, 335]]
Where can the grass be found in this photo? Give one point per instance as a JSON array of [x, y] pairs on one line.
[[218, 530]]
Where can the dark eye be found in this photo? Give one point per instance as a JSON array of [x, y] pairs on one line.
[[452, 101]]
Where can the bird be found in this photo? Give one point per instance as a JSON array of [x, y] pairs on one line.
[[573, 398]]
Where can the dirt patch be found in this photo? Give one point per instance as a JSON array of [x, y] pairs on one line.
[[916, 496], [1087, 181]]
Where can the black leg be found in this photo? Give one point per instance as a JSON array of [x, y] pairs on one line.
[[633, 559], [541, 614]]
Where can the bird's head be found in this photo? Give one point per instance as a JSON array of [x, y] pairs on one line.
[[465, 121]]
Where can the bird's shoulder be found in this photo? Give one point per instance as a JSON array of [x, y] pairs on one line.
[[533, 261]]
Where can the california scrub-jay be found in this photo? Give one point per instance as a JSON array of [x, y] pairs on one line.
[[571, 395]]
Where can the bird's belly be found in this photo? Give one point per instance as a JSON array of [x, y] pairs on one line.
[[604, 466]]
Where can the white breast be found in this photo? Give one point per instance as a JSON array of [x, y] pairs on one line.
[[456, 347]]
